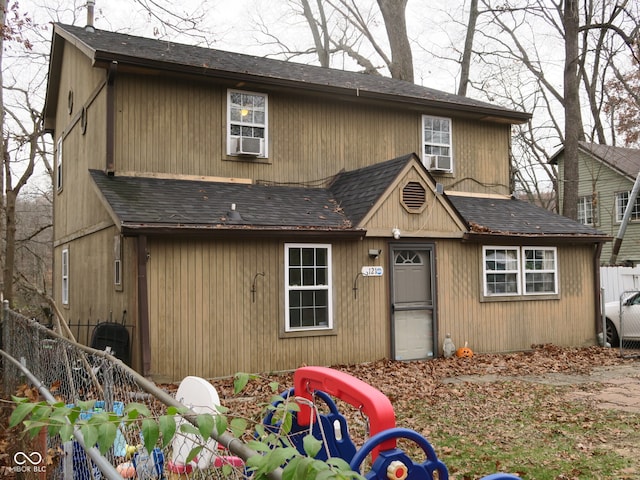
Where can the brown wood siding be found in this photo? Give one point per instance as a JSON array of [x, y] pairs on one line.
[[434, 218], [481, 158], [204, 320], [76, 207], [92, 294], [513, 325], [310, 138]]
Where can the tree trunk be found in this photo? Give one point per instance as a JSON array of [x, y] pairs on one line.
[[394, 15], [320, 33], [10, 246], [3, 153], [468, 47], [572, 118]]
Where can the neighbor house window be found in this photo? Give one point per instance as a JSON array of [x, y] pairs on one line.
[[65, 277], [59, 164], [247, 123], [622, 199], [308, 287], [437, 152], [585, 210], [510, 271]]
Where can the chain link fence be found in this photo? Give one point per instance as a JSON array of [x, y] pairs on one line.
[[68, 372]]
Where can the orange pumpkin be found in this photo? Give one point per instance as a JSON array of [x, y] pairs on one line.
[[464, 352]]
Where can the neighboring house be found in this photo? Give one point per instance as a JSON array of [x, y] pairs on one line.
[[606, 177], [254, 215]]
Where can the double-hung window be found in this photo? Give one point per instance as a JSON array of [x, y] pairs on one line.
[[622, 200], [585, 210], [437, 154], [512, 271], [540, 270], [501, 271], [247, 123], [65, 276], [308, 287]]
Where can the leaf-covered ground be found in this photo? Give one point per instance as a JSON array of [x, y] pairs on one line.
[[536, 430], [539, 431]]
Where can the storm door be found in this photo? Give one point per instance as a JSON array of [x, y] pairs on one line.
[[413, 303]]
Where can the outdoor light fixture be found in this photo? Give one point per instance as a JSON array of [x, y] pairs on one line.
[[396, 233], [374, 253]]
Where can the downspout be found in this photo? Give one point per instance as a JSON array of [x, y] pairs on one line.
[[110, 166], [143, 305], [596, 289], [625, 220]]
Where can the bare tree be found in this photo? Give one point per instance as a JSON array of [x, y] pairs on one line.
[[465, 65], [22, 129], [394, 15], [574, 131], [349, 28], [623, 102], [566, 103]]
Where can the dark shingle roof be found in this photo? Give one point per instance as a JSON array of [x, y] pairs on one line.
[[358, 190], [626, 160], [155, 202], [511, 216], [104, 46]]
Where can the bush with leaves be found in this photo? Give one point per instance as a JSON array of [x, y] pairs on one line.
[[270, 441]]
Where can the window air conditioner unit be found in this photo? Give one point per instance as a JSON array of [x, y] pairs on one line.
[[438, 163], [249, 146]]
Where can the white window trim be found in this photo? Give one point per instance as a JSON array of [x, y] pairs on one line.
[[521, 273], [328, 287], [449, 145], [585, 206], [554, 270], [619, 211], [485, 271], [59, 170], [117, 262], [64, 290], [231, 140]]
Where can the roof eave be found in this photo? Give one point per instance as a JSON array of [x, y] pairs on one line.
[[103, 59], [239, 231], [535, 239]]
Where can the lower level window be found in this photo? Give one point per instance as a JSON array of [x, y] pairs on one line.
[[510, 271], [308, 287], [65, 276]]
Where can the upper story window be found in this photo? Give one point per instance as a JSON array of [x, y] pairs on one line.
[[510, 271], [622, 199], [308, 287], [247, 123], [437, 151], [59, 164], [585, 210]]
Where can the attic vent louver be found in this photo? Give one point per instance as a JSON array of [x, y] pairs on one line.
[[414, 197]]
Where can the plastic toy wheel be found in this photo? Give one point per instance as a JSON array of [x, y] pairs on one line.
[[394, 464]]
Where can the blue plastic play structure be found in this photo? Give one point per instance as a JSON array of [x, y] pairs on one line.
[[388, 461]]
